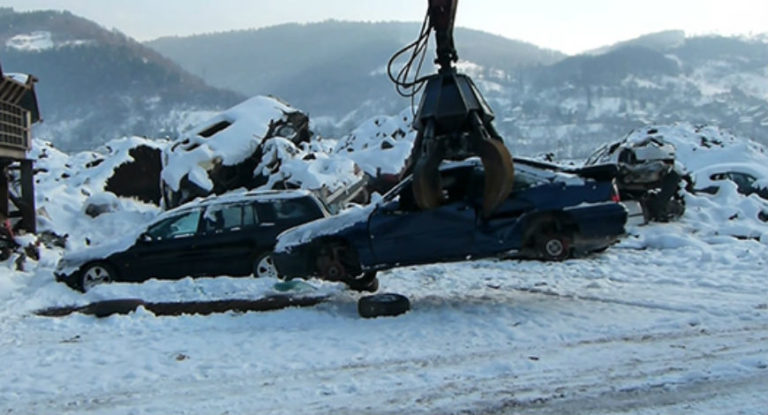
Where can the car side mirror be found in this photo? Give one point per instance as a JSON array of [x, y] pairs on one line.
[[145, 238]]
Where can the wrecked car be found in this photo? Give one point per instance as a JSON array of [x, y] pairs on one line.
[[646, 171], [748, 178], [259, 143], [549, 215], [228, 235]]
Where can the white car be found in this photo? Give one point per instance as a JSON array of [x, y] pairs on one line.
[[749, 178]]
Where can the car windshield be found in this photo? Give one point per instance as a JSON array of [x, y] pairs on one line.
[[183, 224]]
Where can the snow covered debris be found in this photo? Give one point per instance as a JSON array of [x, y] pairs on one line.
[[260, 143], [227, 139], [672, 319], [380, 144]]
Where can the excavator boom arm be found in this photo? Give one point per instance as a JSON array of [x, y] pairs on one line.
[[442, 15]]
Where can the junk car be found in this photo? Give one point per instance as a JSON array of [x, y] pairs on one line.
[[225, 235], [549, 215]]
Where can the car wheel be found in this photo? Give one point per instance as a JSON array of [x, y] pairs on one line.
[[364, 282], [264, 267], [553, 247], [383, 305], [95, 274], [5, 253]]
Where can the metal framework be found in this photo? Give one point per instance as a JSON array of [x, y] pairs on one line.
[[18, 111]]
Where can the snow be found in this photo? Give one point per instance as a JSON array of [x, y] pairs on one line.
[[19, 77], [35, 41], [39, 41], [365, 145], [282, 160], [673, 319], [249, 122]]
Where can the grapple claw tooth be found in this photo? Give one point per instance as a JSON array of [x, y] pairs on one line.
[[499, 173]]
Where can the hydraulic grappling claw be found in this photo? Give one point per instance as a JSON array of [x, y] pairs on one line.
[[453, 120]]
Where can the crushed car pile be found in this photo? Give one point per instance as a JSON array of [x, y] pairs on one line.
[[239, 200]]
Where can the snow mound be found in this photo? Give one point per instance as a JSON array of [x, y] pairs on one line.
[[380, 144], [240, 131], [66, 183], [702, 146], [725, 213]]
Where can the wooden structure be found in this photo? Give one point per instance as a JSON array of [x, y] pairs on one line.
[[18, 111]]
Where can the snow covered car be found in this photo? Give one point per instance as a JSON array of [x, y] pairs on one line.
[[646, 172], [748, 178], [225, 235], [549, 215]]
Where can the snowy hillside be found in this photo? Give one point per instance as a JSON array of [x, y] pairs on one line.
[[95, 83], [673, 319]]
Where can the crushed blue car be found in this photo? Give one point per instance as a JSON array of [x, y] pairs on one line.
[[549, 215]]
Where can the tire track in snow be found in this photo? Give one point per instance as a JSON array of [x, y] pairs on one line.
[[670, 367]]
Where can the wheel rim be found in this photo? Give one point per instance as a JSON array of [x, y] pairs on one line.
[[265, 267], [554, 248], [94, 276]]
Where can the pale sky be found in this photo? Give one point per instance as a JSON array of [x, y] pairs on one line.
[[570, 26]]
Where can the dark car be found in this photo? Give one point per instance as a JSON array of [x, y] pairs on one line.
[[549, 215], [226, 235]]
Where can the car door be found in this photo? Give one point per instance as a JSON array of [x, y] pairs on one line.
[[402, 234], [163, 251], [226, 243]]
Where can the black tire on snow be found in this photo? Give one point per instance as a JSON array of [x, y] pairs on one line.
[[383, 305], [5, 253]]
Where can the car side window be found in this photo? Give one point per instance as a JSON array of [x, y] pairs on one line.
[[291, 209], [250, 217], [229, 217], [179, 226]]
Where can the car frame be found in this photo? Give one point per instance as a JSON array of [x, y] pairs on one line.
[[231, 235]]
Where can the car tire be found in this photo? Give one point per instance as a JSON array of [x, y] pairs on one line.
[[366, 282], [383, 305], [95, 274], [5, 253], [553, 247], [264, 267]]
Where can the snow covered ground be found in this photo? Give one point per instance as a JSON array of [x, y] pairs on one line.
[[673, 319]]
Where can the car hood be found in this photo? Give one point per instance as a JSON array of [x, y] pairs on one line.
[[322, 227], [71, 261]]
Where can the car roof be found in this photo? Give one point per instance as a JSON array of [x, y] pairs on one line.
[[242, 196]]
